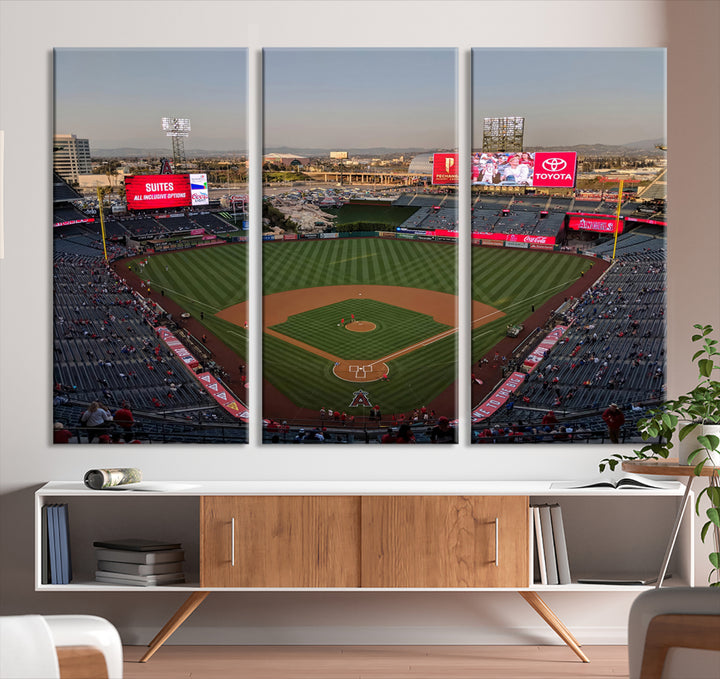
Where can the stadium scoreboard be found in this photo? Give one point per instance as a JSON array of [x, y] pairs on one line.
[[159, 191], [546, 169]]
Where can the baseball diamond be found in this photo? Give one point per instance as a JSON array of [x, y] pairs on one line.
[[404, 277]]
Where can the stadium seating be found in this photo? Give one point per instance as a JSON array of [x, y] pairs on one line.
[[613, 351], [105, 349]]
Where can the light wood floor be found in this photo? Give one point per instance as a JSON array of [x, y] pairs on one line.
[[375, 662]]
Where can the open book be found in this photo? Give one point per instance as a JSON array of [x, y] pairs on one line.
[[617, 481]]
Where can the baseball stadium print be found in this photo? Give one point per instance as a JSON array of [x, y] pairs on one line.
[[569, 244], [149, 246], [359, 272]]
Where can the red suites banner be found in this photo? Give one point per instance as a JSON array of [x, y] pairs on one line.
[[445, 168], [157, 191]]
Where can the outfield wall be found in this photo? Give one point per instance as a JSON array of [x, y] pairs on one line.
[[534, 242]]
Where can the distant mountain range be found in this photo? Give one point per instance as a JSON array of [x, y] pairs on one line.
[[644, 146]]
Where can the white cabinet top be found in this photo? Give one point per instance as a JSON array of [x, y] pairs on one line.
[[198, 488]]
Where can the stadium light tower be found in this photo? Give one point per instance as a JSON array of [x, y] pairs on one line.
[[503, 134], [178, 129]]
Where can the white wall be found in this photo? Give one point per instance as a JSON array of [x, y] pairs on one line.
[[28, 32]]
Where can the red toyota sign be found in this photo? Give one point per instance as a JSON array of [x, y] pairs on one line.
[[156, 191], [554, 168], [445, 168]]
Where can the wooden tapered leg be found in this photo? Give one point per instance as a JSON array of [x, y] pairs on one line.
[[546, 613], [179, 617]]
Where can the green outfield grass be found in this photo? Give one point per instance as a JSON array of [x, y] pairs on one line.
[[388, 215], [396, 328], [347, 261], [514, 281], [204, 280]]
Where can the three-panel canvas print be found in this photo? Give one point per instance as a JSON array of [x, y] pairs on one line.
[[360, 235]]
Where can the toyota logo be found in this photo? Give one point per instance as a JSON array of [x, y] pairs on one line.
[[554, 164]]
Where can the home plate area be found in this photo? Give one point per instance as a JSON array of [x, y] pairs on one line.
[[360, 371]]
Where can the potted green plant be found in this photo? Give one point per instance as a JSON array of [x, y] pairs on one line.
[[698, 409]]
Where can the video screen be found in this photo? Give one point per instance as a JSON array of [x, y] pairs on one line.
[[524, 168], [160, 191]]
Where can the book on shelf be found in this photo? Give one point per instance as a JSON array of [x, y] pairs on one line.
[[139, 568], [549, 545], [129, 556], [137, 545], [561, 551], [64, 541], [622, 579], [142, 580], [45, 552], [53, 545], [617, 482], [550, 553], [540, 550]]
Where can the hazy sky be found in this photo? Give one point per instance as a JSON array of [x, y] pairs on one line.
[[336, 98], [117, 97], [345, 98], [571, 96]]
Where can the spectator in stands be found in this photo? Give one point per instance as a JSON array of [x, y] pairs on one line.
[[442, 432], [60, 434], [549, 418], [95, 419], [614, 419], [405, 434], [125, 420], [388, 436]]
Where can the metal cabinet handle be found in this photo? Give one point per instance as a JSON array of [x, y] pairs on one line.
[[497, 541], [232, 541]]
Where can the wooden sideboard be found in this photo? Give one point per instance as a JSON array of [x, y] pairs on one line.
[[374, 536], [370, 541]]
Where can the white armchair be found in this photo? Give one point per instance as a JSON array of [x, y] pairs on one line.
[[59, 647], [674, 633]]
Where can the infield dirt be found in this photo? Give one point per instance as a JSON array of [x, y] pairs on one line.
[[279, 306]]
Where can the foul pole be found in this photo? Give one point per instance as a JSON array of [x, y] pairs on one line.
[[102, 222], [617, 216]]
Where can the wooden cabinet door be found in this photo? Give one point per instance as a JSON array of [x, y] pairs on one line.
[[445, 541], [287, 541]]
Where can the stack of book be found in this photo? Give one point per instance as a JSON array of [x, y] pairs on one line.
[[56, 563], [139, 562], [552, 566]]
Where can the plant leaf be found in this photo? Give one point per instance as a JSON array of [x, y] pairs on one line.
[[713, 493], [688, 429], [705, 366]]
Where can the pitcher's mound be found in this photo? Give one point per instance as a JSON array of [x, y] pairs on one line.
[[360, 326]]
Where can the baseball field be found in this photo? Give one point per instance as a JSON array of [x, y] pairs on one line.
[[359, 313]]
